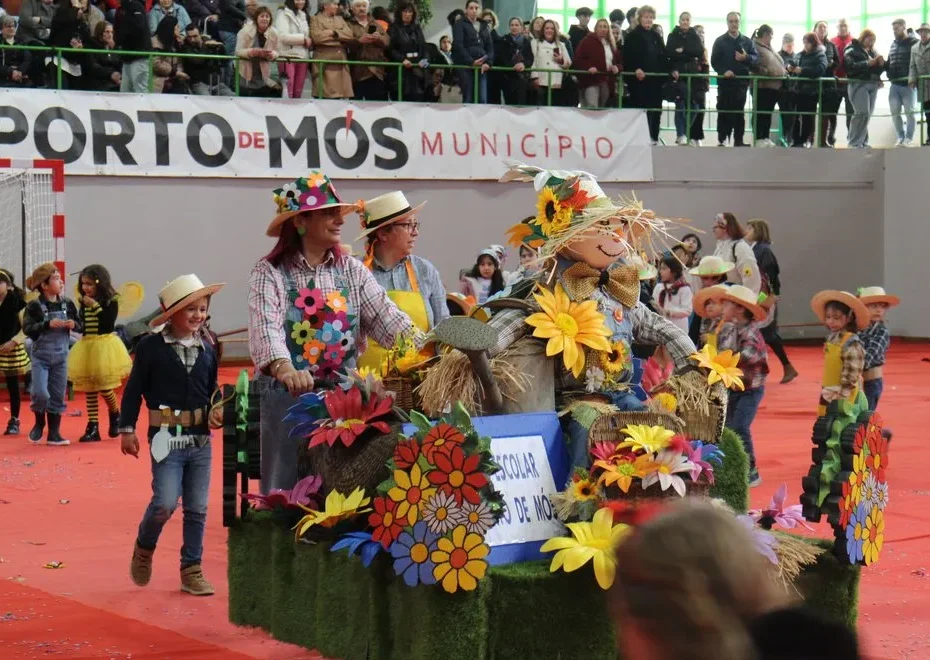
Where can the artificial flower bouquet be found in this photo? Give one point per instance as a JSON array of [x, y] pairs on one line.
[[402, 367]]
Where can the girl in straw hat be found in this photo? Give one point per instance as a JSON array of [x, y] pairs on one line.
[[708, 307], [175, 371], [740, 334], [14, 361], [844, 356], [875, 341]]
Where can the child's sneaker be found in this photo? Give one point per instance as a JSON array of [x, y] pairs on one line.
[[193, 582], [12, 427], [754, 479], [140, 569]]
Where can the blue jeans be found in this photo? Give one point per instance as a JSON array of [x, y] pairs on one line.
[[901, 97], [279, 449], [229, 44], [741, 411], [873, 391], [681, 117], [467, 83], [49, 373], [184, 474], [862, 98]]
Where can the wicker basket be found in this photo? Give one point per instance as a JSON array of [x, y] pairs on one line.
[[654, 492], [607, 428], [404, 396], [701, 425], [344, 469]]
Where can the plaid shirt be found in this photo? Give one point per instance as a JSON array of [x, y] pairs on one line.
[[428, 281], [853, 356], [188, 350], [875, 339], [748, 342], [378, 316]]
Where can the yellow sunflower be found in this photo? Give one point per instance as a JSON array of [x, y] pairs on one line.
[[569, 326], [551, 215], [584, 490], [666, 401], [722, 366], [616, 359]]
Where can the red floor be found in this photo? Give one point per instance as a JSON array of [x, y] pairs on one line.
[[80, 505]]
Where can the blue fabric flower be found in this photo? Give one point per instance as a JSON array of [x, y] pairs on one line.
[[331, 333], [708, 452], [306, 414], [411, 552], [358, 543], [854, 540]]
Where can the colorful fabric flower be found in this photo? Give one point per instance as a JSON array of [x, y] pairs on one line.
[[664, 470], [441, 438], [313, 351], [647, 439], [349, 417], [877, 460], [870, 490], [854, 533], [873, 535], [596, 540], [412, 554], [316, 180], [311, 198], [458, 475], [358, 543], [847, 504], [306, 414], [594, 379], [331, 317], [460, 560], [603, 450], [304, 493], [384, 521], [406, 453], [777, 513], [721, 367], [622, 472], [331, 333], [338, 507], [857, 476], [477, 518], [616, 360], [334, 354], [441, 513], [551, 215], [301, 333], [764, 541], [337, 302], [411, 491], [309, 300], [881, 495]]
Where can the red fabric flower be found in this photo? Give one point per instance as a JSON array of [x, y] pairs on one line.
[[458, 476], [877, 460], [634, 513], [406, 454], [383, 520], [441, 438], [846, 505], [348, 418]]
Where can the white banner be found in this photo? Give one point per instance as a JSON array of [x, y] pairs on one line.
[[204, 136]]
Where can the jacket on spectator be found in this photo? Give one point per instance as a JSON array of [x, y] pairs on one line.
[[29, 31], [857, 63], [292, 28], [507, 52], [920, 66], [101, 67], [768, 265], [644, 49], [131, 31], [833, 61], [470, 44], [331, 35], [577, 34], [245, 41], [165, 67], [14, 60], [67, 25], [175, 10], [206, 71], [899, 59], [812, 66], [689, 58], [372, 52], [543, 58], [406, 42], [200, 10], [841, 46], [723, 58], [770, 65], [232, 15], [592, 52]]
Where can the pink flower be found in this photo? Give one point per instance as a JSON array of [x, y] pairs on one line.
[[778, 513]]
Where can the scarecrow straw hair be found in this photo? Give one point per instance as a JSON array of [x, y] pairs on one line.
[[793, 554], [453, 379]]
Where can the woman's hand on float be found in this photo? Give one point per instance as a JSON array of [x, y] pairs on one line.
[[296, 382]]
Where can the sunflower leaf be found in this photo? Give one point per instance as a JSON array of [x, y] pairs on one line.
[[420, 421]]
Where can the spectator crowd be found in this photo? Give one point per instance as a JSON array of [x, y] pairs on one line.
[[623, 59]]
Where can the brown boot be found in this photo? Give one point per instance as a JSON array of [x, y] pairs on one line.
[[193, 582], [140, 570], [790, 374]]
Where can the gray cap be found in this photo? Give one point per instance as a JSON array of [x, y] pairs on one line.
[[788, 38]]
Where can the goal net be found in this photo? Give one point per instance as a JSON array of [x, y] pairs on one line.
[[31, 218]]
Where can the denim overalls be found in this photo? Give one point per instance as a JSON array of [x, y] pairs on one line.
[[50, 362]]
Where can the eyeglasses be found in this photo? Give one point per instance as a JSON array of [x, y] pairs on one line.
[[409, 226]]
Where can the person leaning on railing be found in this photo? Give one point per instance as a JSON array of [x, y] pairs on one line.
[[14, 62], [104, 69], [369, 82], [685, 51], [831, 96], [515, 52], [170, 77], [549, 58], [69, 30], [644, 54], [257, 48], [292, 23], [732, 57], [811, 66], [206, 77], [598, 54], [331, 34], [864, 69], [131, 33], [408, 46], [771, 69], [919, 72], [472, 47]]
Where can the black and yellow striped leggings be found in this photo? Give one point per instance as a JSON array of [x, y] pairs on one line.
[[93, 412]]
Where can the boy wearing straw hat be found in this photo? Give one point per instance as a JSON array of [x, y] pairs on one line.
[[844, 356], [175, 370], [708, 306], [875, 341], [740, 334]]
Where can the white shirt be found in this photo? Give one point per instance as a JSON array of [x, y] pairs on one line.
[[678, 306]]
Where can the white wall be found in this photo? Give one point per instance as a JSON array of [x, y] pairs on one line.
[[826, 210]]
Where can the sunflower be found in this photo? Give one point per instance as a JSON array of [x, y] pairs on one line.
[[568, 326], [584, 490], [666, 401], [552, 216], [722, 367], [616, 360]]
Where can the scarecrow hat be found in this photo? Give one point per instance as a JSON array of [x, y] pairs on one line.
[[313, 192], [179, 293], [712, 265], [385, 210], [876, 294], [820, 300], [746, 298], [706, 294]]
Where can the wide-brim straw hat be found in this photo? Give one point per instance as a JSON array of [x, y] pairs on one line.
[[385, 210], [179, 293], [875, 294], [746, 298], [700, 299], [712, 265], [313, 192], [820, 300]]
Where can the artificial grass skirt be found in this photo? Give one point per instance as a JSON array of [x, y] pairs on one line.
[[304, 594]]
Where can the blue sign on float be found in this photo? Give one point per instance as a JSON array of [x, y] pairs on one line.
[[534, 465]]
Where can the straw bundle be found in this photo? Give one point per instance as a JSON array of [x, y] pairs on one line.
[[793, 554]]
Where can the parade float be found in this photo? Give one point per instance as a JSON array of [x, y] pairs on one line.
[[484, 523]]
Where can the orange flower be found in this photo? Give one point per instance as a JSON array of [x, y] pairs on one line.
[[441, 437]]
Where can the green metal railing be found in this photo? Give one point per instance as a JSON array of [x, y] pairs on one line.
[[687, 82]]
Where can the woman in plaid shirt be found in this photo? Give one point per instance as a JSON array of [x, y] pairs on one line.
[[311, 309]]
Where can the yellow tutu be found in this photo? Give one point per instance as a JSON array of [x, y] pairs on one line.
[[98, 363], [16, 362]]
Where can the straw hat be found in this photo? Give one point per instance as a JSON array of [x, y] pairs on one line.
[[385, 210], [467, 306], [746, 298], [876, 294], [924, 27], [647, 271], [313, 192], [712, 265], [179, 293], [820, 300], [708, 293]]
